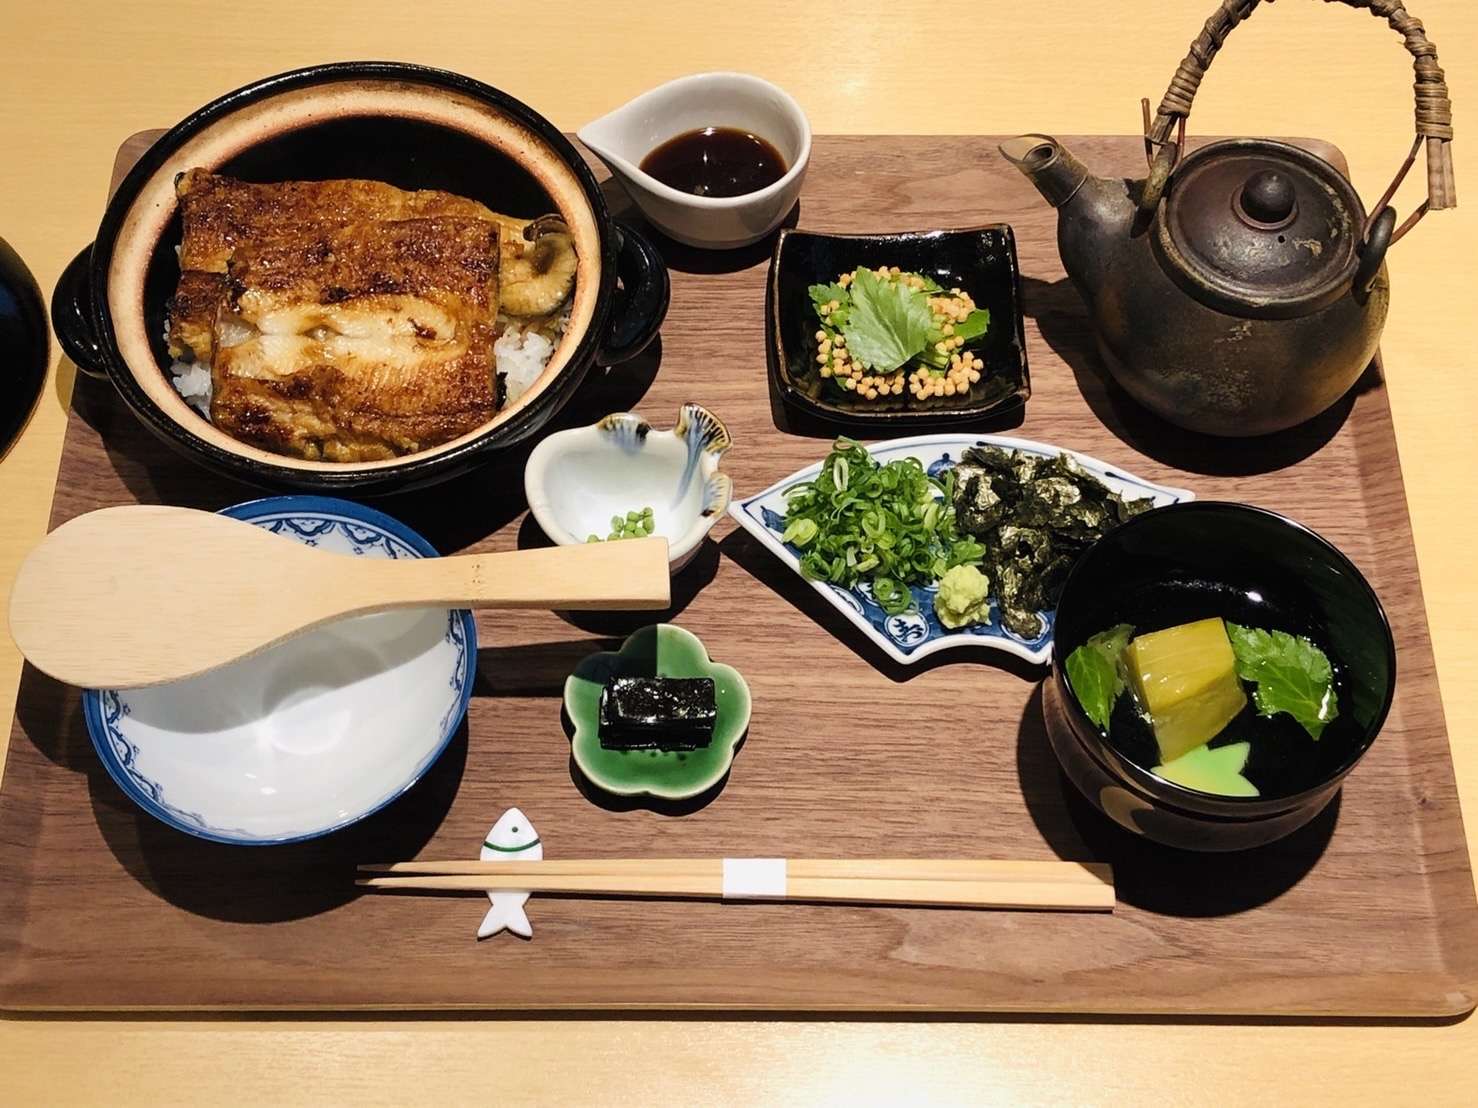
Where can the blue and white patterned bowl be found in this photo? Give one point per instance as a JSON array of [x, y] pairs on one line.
[[917, 633], [309, 736]]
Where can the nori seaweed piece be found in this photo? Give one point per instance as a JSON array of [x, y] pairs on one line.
[[1034, 515], [978, 506], [1085, 523], [1128, 509], [1057, 493], [1010, 582], [1065, 465], [1053, 575], [1021, 621], [1026, 467], [1024, 545], [964, 471], [662, 713], [997, 459]]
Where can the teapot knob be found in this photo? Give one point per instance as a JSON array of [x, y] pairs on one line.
[[1267, 200]]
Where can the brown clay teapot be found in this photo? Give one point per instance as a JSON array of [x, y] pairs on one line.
[[1239, 289]]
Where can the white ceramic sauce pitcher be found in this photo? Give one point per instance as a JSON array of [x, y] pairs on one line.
[[625, 136]]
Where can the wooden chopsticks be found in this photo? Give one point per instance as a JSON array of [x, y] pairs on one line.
[[958, 882]]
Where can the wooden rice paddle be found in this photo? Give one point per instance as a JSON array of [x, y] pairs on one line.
[[141, 595]]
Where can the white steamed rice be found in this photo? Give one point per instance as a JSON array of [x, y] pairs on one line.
[[192, 381], [521, 356]]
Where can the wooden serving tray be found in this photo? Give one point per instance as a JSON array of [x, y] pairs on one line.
[[1367, 912]]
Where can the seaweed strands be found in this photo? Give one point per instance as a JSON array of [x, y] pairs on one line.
[[1034, 515]]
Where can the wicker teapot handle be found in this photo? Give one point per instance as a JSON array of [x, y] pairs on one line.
[[1433, 107]]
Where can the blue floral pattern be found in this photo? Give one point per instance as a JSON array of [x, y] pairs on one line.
[[701, 432], [310, 530], [114, 710], [916, 633]]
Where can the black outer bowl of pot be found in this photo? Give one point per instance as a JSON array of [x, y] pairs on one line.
[[24, 345], [410, 152], [1244, 547]]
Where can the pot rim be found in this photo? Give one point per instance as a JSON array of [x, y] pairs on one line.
[[411, 469]]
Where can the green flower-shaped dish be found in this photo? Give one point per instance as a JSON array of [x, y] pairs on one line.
[[660, 650]]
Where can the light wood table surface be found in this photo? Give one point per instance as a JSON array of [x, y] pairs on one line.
[[76, 78]]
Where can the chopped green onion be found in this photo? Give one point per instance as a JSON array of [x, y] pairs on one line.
[[891, 525]]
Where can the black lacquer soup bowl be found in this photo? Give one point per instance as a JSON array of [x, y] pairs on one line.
[[1195, 560]]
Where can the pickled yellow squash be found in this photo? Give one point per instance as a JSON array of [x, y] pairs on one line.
[[1186, 679]]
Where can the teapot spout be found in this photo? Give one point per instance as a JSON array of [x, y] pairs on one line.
[[1047, 164], [1096, 228]]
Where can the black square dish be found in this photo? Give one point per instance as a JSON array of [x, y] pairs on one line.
[[981, 261]]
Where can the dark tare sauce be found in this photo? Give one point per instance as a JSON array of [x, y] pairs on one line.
[[1283, 760], [716, 161]]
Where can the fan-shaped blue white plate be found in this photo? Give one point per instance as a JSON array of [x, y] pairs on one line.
[[309, 736], [917, 633]]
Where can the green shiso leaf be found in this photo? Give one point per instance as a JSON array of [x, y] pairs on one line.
[[1290, 673], [825, 294], [888, 324], [973, 325], [1095, 674]]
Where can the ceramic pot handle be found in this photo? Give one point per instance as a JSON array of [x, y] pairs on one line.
[[640, 303], [71, 317], [1433, 107]]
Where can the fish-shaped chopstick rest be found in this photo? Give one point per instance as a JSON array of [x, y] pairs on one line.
[[512, 839]]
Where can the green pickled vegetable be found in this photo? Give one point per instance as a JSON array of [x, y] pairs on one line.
[[1210, 770]]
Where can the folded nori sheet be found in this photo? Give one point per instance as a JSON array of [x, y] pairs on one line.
[[657, 713]]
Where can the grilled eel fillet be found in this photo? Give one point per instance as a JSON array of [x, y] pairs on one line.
[[220, 213], [359, 342], [344, 320]]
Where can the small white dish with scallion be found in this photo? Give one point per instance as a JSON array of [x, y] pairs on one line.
[[622, 478]]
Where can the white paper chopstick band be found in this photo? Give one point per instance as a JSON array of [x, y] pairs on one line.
[[751, 878]]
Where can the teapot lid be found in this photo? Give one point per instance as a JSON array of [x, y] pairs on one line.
[[1259, 228]]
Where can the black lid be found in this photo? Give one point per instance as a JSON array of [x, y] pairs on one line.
[[23, 345], [1259, 228]]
